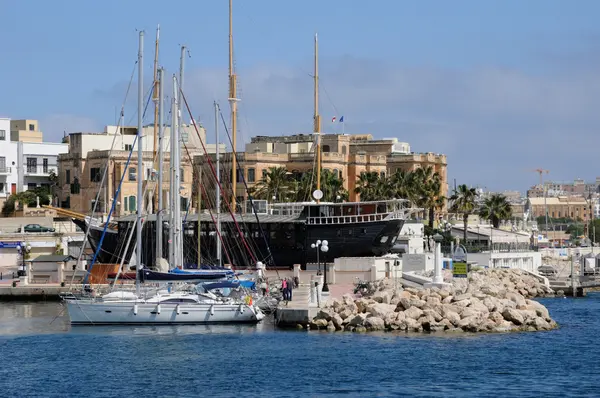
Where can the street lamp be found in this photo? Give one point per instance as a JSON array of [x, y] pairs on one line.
[[23, 249]]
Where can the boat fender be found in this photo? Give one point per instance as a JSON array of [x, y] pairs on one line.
[[212, 309], [135, 309], [241, 308], [158, 309], [177, 310]]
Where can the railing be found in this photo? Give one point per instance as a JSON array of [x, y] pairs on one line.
[[5, 170], [40, 170], [361, 218]]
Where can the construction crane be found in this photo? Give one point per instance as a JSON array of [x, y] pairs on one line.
[[541, 172]]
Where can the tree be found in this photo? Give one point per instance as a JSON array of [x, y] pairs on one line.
[[463, 201], [495, 209], [27, 197], [424, 191], [275, 183]]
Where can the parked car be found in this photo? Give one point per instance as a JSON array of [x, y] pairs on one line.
[[37, 228]]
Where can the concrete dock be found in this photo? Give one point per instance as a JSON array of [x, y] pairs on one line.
[[43, 292]]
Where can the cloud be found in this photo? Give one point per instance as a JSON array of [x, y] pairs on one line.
[[54, 126], [494, 123]]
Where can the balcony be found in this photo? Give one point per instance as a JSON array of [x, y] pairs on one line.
[[40, 171], [5, 170]]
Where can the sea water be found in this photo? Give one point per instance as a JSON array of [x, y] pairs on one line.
[[42, 356]]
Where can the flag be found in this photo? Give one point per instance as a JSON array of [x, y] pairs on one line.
[[342, 119], [333, 120]]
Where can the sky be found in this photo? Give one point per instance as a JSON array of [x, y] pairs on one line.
[[500, 87]]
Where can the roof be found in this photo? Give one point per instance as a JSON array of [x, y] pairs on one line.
[[563, 200], [53, 258]]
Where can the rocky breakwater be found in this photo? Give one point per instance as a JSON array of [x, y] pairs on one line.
[[490, 301]]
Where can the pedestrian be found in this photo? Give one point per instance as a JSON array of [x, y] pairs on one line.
[[290, 288], [296, 282], [284, 288]]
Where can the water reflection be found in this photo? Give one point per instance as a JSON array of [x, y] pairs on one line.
[[52, 317]]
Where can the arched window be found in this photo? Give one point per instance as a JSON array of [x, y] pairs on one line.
[[335, 173], [343, 149]]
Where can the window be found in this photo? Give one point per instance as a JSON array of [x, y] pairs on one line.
[[132, 172], [2, 135], [335, 173], [128, 147], [326, 148], [95, 174], [132, 203], [67, 176], [32, 127], [251, 175], [181, 175], [45, 165], [2, 187], [183, 203], [31, 165], [264, 173], [382, 174], [343, 149], [2, 164], [75, 187], [31, 186]]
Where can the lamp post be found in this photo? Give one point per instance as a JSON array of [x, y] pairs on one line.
[[23, 249], [324, 247]]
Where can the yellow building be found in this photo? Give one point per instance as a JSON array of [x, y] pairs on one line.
[[25, 130], [560, 207], [345, 155], [81, 170]]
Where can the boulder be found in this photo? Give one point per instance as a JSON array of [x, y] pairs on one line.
[[382, 296], [460, 297], [496, 317], [380, 310], [331, 327], [325, 314], [358, 319], [413, 313], [437, 317], [513, 315], [374, 323], [346, 313], [360, 329], [337, 321]]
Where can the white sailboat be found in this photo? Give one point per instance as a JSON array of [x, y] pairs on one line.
[[160, 307]]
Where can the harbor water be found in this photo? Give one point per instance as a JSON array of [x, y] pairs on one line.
[[42, 356]]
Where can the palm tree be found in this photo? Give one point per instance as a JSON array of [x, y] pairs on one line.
[[275, 183], [332, 186], [401, 184], [425, 186], [464, 201], [496, 208], [370, 186]]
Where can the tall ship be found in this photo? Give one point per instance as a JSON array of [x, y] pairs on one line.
[[279, 235]]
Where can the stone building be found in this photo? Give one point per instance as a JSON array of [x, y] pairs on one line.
[[345, 155]]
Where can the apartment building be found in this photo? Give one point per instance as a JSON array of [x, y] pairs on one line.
[[26, 162], [345, 155], [83, 188]]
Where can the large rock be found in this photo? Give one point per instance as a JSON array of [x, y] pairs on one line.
[[358, 319], [380, 310], [337, 321], [513, 315], [413, 313], [382, 296], [374, 323]]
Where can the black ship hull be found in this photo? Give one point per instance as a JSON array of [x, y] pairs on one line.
[[277, 244]]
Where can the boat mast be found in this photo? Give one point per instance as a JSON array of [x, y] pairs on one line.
[[218, 185], [173, 143], [317, 117], [155, 100], [140, 165], [161, 156], [174, 183], [177, 204], [233, 104]]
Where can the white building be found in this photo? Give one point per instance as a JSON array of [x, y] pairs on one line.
[[25, 165]]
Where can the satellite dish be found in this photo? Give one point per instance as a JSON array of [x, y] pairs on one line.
[[318, 194]]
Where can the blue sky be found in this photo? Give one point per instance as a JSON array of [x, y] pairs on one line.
[[501, 87]]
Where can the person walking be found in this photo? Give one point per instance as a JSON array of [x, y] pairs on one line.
[[290, 288], [284, 289]]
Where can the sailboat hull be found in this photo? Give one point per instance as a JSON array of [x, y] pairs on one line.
[[83, 312]]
